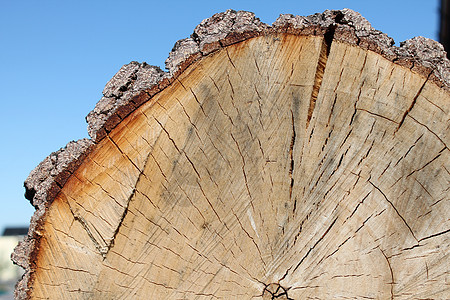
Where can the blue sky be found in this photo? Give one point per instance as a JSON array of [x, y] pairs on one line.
[[56, 57]]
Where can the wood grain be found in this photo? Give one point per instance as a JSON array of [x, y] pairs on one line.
[[231, 180], [306, 159]]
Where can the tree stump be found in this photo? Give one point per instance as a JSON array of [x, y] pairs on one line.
[[306, 159]]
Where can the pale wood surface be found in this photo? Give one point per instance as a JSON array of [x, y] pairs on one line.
[[255, 168]]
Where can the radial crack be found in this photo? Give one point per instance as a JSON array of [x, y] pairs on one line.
[[124, 214], [291, 155], [101, 249], [317, 242], [124, 154], [321, 64], [412, 103]]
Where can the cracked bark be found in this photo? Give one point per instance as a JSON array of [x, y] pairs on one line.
[[269, 162]]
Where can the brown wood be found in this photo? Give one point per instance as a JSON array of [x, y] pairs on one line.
[[304, 159]]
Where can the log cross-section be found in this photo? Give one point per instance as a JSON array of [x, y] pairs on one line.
[[304, 159]]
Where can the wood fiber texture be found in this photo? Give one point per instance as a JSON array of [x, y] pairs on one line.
[[272, 162]]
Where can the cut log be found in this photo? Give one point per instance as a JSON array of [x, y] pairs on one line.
[[304, 159]]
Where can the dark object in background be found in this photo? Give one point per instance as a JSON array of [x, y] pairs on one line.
[[444, 31], [13, 231]]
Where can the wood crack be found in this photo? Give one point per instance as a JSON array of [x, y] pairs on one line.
[[430, 131], [124, 154], [391, 272], [116, 231], [357, 206], [412, 103], [291, 167], [101, 249], [317, 242], [209, 202], [395, 209], [425, 165], [250, 237], [355, 105], [243, 170], [377, 115], [435, 235], [320, 70]]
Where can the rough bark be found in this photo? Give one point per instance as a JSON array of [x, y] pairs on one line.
[[304, 159]]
